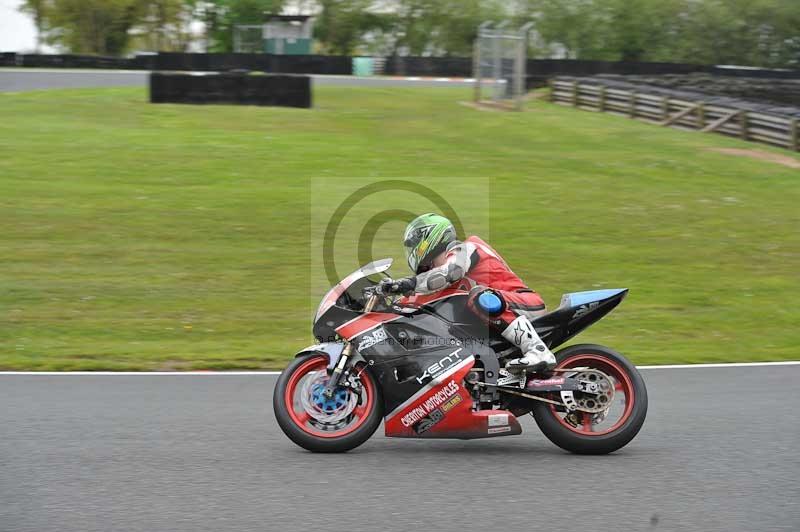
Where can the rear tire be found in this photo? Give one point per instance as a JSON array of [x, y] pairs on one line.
[[570, 440], [331, 443]]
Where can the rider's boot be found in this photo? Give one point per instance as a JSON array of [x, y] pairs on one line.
[[535, 354]]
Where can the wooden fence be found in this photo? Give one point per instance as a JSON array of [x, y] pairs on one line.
[[666, 111]]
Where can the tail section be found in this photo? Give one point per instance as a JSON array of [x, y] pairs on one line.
[[576, 312]]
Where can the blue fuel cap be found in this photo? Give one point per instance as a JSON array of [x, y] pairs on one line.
[[490, 303]]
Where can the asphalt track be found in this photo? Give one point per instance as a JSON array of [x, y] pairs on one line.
[[719, 452], [18, 79]]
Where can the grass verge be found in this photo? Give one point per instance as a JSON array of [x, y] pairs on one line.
[[144, 237]]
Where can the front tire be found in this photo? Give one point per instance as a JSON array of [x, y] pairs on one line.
[[583, 439], [307, 418]]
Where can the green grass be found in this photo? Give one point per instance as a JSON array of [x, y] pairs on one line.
[[138, 236]]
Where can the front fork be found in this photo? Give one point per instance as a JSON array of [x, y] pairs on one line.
[[336, 376]]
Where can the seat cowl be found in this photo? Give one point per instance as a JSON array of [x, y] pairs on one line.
[[576, 299]]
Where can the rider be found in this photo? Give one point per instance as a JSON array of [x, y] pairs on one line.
[[497, 295]]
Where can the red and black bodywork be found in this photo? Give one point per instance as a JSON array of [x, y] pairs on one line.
[[421, 357]]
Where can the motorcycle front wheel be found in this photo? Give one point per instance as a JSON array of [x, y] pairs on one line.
[[602, 432], [325, 424]]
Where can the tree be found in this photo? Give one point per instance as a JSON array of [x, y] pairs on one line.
[[38, 10], [342, 24], [221, 16], [164, 24], [92, 26], [747, 32]]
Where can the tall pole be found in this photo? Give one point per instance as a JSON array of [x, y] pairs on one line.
[[477, 58], [497, 70], [520, 66]]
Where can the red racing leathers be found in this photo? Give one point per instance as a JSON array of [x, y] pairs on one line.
[[473, 265]]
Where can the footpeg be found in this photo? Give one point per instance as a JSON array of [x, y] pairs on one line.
[[508, 379]]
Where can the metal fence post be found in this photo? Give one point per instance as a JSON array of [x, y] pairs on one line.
[[520, 79], [602, 98], [476, 69], [497, 60], [632, 107], [743, 125], [478, 59]]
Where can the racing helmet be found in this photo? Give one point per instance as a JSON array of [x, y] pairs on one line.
[[425, 238]]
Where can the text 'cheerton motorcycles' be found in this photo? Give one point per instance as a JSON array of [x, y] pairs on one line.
[[434, 371]]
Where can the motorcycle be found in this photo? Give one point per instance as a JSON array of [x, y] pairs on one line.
[[429, 368]]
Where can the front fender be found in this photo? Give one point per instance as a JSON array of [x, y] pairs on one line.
[[333, 350]]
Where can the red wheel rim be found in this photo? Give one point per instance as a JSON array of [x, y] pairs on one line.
[[303, 419], [622, 385]]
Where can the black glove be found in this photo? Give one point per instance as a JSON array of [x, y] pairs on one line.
[[404, 286]]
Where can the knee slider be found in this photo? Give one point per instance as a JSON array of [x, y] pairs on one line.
[[490, 303]]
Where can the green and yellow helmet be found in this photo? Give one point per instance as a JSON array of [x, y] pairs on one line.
[[426, 237]]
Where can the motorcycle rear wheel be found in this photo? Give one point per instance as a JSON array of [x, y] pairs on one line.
[[583, 438], [301, 425]]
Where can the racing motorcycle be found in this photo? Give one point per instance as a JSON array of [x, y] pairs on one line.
[[429, 368]]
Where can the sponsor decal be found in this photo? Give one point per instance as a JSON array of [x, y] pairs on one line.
[[432, 403], [584, 309], [368, 340], [437, 368], [427, 422], [498, 430], [497, 420], [451, 403], [554, 381]]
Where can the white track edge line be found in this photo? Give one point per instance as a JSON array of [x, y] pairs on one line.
[[216, 373], [722, 365], [142, 373]]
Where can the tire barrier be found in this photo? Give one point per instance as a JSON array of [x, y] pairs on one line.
[[231, 88], [8, 59], [72, 61], [539, 71], [458, 67], [172, 61], [772, 91], [760, 122], [293, 64]]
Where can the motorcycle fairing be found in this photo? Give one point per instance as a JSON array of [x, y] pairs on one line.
[[404, 354], [339, 306], [443, 409], [576, 299], [333, 350], [420, 365], [576, 312], [420, 358], [329, 300], [364, 323]]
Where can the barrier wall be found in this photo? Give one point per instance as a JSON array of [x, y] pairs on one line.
[[458, 67], [777, 126], [295, 64], [774, 91], [230, 88], [8, 59], [290, 64], [538, 70], [72, 61]]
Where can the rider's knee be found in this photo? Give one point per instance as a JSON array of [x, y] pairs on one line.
[[486, 303]]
